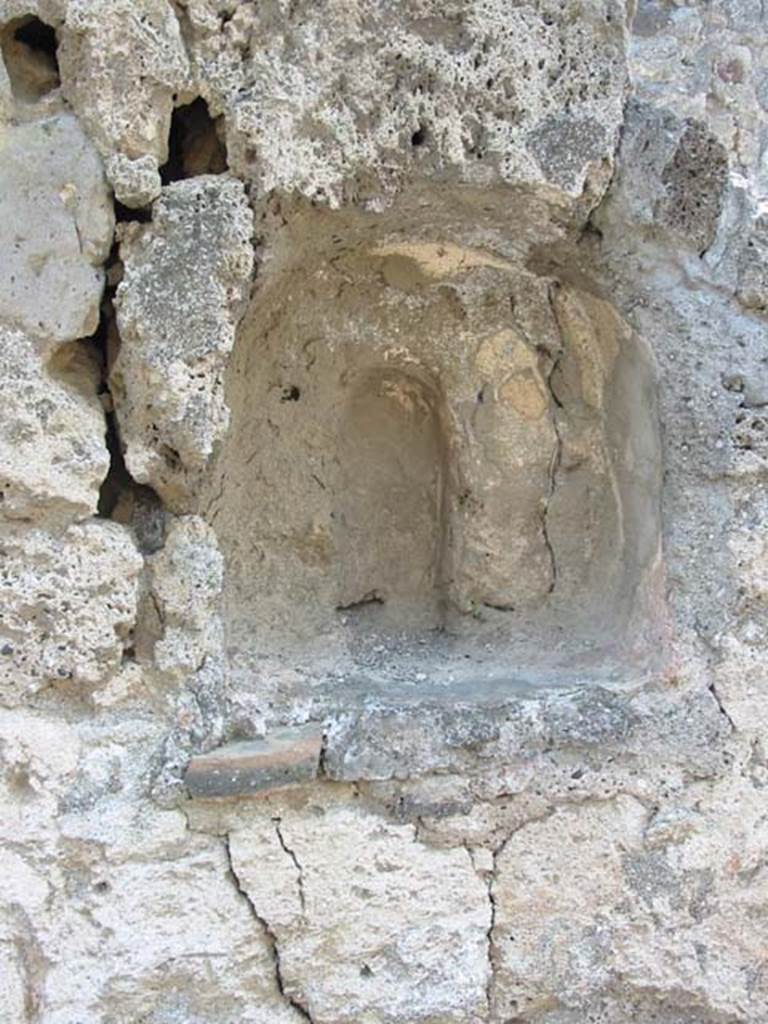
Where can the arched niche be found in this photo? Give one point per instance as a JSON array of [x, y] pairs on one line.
[[389, 507], [441, 468]]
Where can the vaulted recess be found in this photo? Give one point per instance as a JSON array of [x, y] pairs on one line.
[[442, 468]]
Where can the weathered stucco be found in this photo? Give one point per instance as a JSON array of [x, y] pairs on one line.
[[383, 460]]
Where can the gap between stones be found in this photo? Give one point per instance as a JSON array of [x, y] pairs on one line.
[[121, 498]]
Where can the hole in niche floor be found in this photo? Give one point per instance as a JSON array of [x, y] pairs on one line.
[[29, 48], [464, 501]]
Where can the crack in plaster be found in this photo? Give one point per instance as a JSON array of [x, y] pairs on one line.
[[269, 934], [556, 460], [492, 948], [299, 870], [489, 878], [322, 767], [723, 711], [713, 652]]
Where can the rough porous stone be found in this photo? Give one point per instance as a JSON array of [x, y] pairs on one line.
[[408, 436], [672, 180], [136, 181], [122, 62], [184, 581], [481, 92], [40, 482], [56, 224], [187, 276], [69, 604]]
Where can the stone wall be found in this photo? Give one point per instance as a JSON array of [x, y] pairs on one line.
[[383, 459]]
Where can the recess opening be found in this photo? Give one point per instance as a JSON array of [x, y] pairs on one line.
[[442, 471], [388, 519], [29, 48], [195, 144]]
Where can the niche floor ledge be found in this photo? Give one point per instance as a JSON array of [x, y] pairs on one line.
[[382, 740]]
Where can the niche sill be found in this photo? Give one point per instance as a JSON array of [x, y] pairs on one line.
[[404, 736]]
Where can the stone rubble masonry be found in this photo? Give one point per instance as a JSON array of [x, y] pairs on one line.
[[122, 62], [41, 483], [69, 602], [532, 236], [185, 283], [56, 225]]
